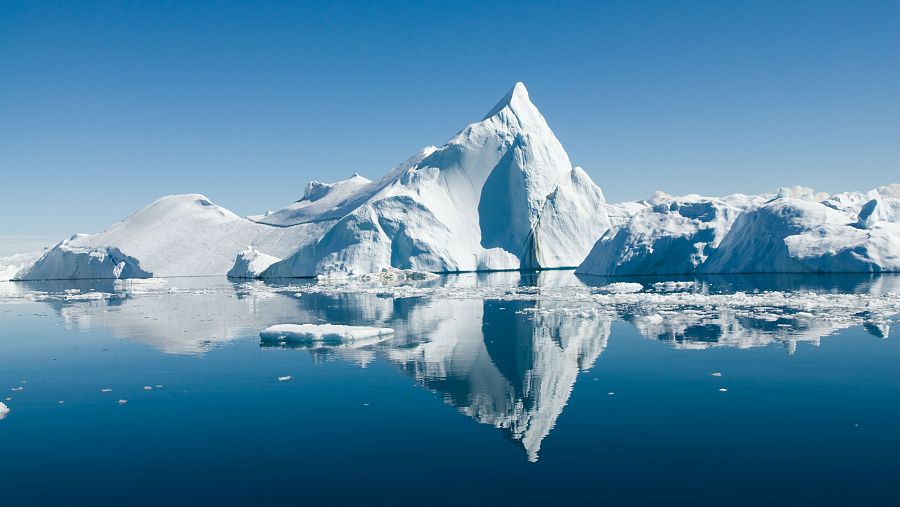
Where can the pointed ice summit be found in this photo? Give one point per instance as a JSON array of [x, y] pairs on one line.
[[501, 194]]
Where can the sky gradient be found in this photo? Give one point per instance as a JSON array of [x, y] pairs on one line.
[[107, 106]]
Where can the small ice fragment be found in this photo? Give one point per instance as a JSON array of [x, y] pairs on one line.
[[285, 378], [148, 388], [61, 402], [716, 374], [365, 404], [159, 386], [610, 393], [106, 390], [17, 389], [723, 390], [122, 402]]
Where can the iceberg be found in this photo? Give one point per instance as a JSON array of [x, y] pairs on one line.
[[179, 235], [500, 195], [795, 230], [11, 266], [250, 263], [4, 411]]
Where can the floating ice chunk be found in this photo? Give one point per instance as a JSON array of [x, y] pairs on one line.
[[621, 288], [106, 390], [286, 378], [250, 263], [716, 374], [148, 388], [17, 389], [321, 333], [122, 402], [723, 390], [673, 286], [4, 411]]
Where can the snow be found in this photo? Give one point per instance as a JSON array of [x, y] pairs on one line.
[[797, 230], [4, 411], [321, 333]]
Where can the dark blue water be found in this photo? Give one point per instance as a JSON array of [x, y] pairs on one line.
[[472, 401]]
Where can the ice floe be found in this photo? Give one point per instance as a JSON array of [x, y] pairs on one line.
[[328, 334]]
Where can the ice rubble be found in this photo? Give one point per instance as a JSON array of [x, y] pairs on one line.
[[795, 230]]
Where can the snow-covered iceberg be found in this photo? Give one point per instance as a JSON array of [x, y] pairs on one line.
[[179, 235], [795, 230], [501, 194]]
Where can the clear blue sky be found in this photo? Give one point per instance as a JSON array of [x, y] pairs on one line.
[[106, 106]]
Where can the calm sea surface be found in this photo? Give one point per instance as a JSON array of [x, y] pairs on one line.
[[501, 389]]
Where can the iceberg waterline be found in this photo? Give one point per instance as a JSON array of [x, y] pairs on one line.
[[500, 195]]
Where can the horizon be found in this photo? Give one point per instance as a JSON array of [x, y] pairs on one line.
[[247, 105]]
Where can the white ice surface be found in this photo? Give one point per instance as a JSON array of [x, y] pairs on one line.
[[501, 194], [180, 235], [322, 333], [796, 230]]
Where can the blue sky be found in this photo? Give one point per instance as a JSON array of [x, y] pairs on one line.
[[106, 106]]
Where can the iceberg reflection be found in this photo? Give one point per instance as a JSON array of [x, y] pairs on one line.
[[505, 349]]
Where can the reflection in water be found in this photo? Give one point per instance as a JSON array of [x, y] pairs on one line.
[[505, 348]]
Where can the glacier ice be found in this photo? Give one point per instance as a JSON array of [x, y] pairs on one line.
[[179, 235], [795, 230], [250, 263], [501, 194]]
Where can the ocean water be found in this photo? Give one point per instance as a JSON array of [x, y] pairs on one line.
[[494, 389]]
